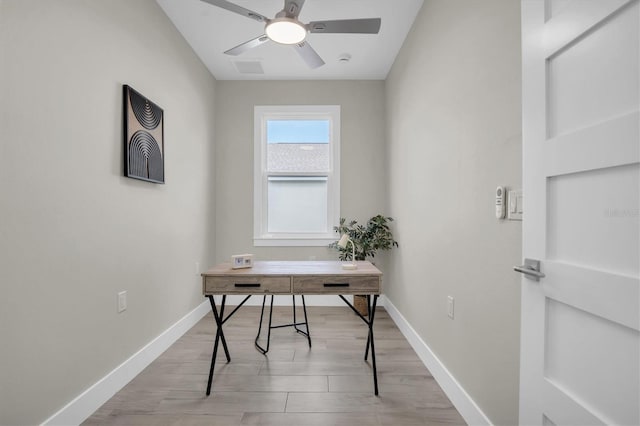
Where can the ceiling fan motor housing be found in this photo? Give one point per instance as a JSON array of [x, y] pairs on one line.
[[285, 30]]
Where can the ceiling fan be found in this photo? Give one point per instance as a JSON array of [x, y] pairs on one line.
[[285, 28]]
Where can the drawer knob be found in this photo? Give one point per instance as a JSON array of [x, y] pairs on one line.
[[248, 285], [336, 284]]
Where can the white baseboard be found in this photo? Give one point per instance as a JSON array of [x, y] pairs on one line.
[[466, 406], [93, 398]]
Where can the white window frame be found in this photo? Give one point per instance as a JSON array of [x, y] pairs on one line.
[[262, 113]]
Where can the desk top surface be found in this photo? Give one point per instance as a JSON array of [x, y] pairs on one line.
[[314, 267]]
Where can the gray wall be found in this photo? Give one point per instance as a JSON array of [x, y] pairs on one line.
[[73, 231], [363, 175], [453, 126]]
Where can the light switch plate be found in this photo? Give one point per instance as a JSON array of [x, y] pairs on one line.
[[122, 301], [514, 205]]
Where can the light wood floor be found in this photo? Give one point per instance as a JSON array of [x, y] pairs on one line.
[[328, 384]]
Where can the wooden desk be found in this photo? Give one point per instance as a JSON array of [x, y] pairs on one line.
[[291, 277]]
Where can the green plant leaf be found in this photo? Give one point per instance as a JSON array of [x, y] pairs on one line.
[[367, 239]]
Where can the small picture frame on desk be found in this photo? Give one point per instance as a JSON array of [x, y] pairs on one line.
[[239, 261]]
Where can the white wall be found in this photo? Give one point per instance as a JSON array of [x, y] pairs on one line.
[[73, 230], [363, 175], [454, 134]]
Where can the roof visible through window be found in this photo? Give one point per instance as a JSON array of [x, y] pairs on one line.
[[298, 131]]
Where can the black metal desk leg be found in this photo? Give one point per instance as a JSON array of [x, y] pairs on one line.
[[219, 336], [221, 316], [260, 348], [295, 324], [306, 321], [372, 314], [366, 351]]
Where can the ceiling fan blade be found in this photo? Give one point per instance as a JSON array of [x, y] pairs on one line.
[[309, 55], [237, 9], [342, 26], [241, 48], [293, 7]]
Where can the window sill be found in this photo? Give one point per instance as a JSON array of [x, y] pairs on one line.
[[292, 242]]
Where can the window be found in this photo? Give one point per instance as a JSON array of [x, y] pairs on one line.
[[296, 175]]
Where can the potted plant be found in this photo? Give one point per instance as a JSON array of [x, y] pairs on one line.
[[367, 240]]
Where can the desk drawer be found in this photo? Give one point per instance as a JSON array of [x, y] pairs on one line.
[[247, 285], [336, 285]]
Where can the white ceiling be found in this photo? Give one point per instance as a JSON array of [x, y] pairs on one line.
[[211, 30]]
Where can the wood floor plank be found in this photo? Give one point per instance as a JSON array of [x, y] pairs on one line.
[[168, 420], [189, 402], [388, 383], [327, 384], [189, 367], [247, 383], [401, 368], [421, 417], [132, 401], [308, 368], [347, 351], [335, 402], [311, 419]]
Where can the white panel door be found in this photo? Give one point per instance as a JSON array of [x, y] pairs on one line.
[[580, 348]]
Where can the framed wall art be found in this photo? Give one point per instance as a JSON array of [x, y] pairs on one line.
[[143, 137]]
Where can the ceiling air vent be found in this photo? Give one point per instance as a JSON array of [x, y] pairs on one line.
[[249, 67]]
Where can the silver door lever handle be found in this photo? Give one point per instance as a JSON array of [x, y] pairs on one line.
[[531, 269]]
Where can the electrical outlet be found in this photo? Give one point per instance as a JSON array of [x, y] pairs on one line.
[[122, 301], [450, 304]]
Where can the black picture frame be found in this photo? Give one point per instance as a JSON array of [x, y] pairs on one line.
[[143, 137]]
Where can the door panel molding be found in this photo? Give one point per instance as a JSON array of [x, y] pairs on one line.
[[577, 20], [621, 136]]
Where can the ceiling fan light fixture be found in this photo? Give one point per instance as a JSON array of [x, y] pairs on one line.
[[285, 30]]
